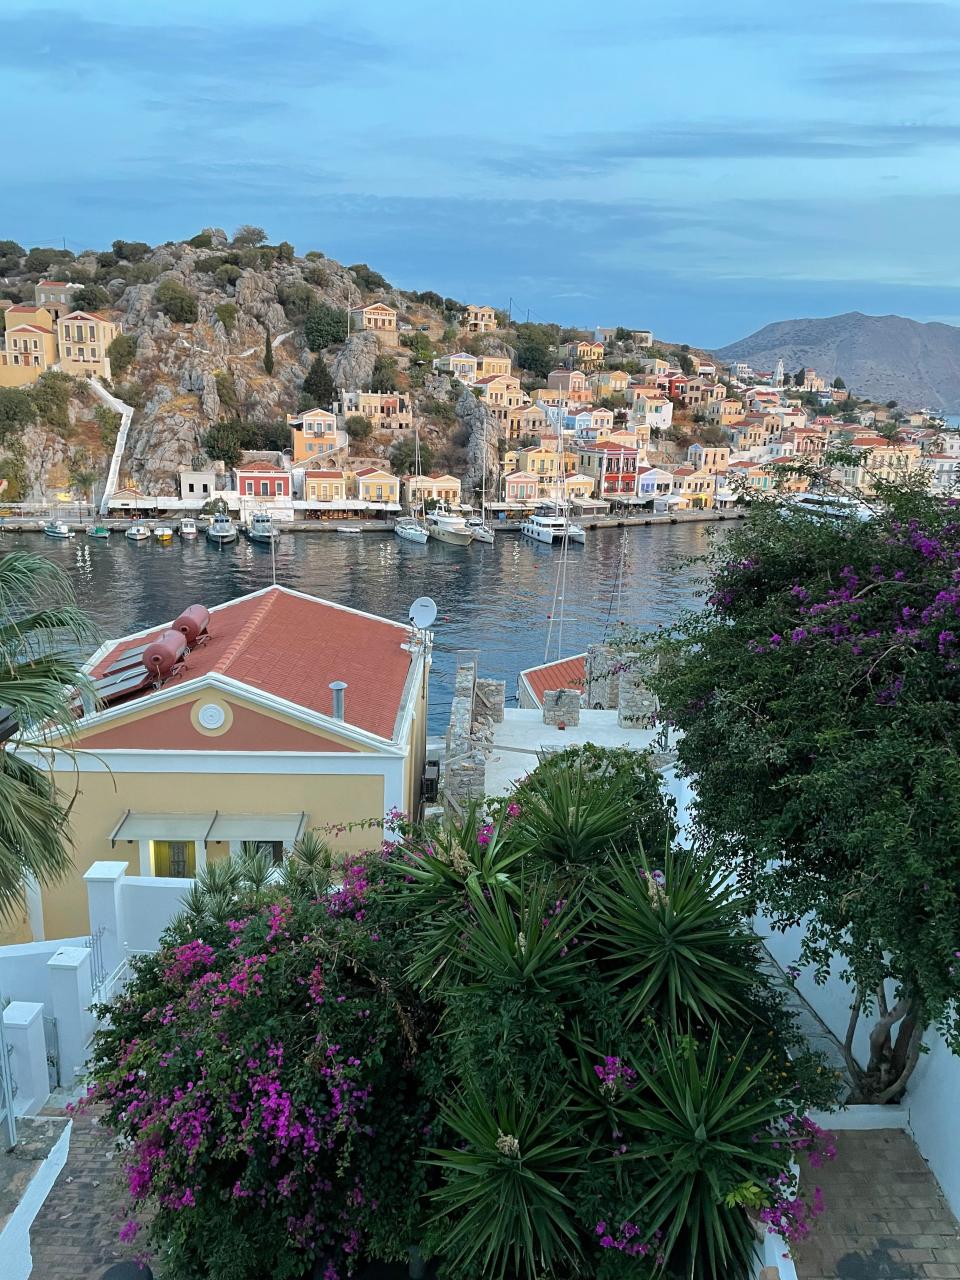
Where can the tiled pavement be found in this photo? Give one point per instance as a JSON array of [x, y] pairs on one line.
[[885, 1216], [75, 1234]]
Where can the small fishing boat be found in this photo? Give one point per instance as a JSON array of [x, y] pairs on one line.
[[480, 531], [411, 530], [222, 530], [98, 531], [138, 533], [57, 529], [187, 528], [350, 530], [443, 525], [260, 528], [163, 533]]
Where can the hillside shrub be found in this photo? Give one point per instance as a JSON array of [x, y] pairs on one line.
[[317, 275], [227, 440], [176, 301], [209, 264], [51, 396], [368, 279], [324, 326], [384, 376], [527, 1059], [227, 274], [17, 410], [358, 427], [91, 298], [121, 353], [108, 420], [141, 272], [227, 392], [438, 410], [203, 240], [314, 255], [130, 250], [227, 315], [296, 300], [41, 260], [248, 236]]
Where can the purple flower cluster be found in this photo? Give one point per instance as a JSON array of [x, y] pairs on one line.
[[629, 1240]]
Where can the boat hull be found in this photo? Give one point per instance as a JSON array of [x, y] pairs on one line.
[[56, 533], [452, 537], [549, 536], [219, 539], [260, 535], [481, 534], [412, 533]]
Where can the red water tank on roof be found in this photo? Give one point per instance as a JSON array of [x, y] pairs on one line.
[[161, 654], [192, 623]]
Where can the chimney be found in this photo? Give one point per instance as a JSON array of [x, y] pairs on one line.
[[338, 686]]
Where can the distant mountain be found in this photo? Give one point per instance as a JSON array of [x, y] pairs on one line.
[[884, 357]]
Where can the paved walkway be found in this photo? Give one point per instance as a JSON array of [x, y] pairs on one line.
[[75, 1234], [885, 1216]]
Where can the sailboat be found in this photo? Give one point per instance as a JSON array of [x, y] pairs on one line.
[[409, 527], [478, 526]]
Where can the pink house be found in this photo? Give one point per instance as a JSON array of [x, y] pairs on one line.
[[262, 480], [520, 486]]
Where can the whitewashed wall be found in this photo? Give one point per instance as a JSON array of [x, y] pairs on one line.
[[24, 974], [148, 904]]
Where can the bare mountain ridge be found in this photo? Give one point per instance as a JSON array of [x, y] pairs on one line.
[[884, 357]]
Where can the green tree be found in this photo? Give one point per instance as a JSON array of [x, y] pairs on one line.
[[176, 301], [249, 237], [685, 362], [108, 420], [537, 348], [384, 376], [130, 250], [800, 377], [825, 661], [403, 457], [40, 260], [839, 384], [268, 354], [91, 297], [622, 334], [358, 427], [17, 410], [368, 279], [51, 395], [325, 326], [227, 315], [284, 251], [891, 404], [121, 353], [318, 384], [203, 240], [41, 636], [10, 249], [227, 274]]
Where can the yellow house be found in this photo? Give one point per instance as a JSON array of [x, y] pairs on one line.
[[30, 346], [375, 486], [478, 319], [502, 393], [526, 420], [725, 412], [419, 490], [375, 315], [258, 720], [459, 364], [585, 355], [543, 462], [491, 366], [83, 337], [387, 410], [314, 433], [325, 486], [609, 382]]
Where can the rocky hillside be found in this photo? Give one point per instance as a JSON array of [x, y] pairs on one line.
[[200, 312], [884, 357]]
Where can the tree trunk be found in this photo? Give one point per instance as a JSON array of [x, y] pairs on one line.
[[894, 1050]]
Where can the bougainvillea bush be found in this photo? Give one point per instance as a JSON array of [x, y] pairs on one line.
[[527, 1045], [819, 698]]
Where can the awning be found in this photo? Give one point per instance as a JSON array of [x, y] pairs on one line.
[[285, 827], [162, 826]]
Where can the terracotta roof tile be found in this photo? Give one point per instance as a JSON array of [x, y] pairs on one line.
[[292, 646], [568, 673]]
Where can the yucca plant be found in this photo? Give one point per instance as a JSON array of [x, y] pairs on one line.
[[703, 1127], [673, 939], [307, 870], [502, 1207]]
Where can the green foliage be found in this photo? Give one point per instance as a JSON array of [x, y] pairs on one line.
[[438, 410], [318, 384], [430, 299], [227, 275], [176, 302], [10, 249], [248, 236], [17, 410], [268, 354], [228, 440], [42, 633], [838, 384], [384, 376], [227, 393], [622, 335], [368, 279], [403, 457], [296, 300], [40, 260], [324, 326], [537, 348], [358, 427], [685, 362], [227, 315], [13, 469], [130, 250], [132, 393], [121, 353], [317, 275], [51, 396], [108, 420], [210, 264], [203, 240], [140, 272], [419, 345], [826, 660], [314, 255], [91, 298]]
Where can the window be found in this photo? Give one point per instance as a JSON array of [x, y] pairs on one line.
[[92, 332], [69, 353], [204, 488], [249, 487], [80, 355], [264, 487], [93, 353], [36, 345], [190, 487]]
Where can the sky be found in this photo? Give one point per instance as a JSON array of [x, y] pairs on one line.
[[697, 169]]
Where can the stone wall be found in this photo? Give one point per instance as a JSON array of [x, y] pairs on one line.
[[637, 704], [561, 706], [488, 703], [465, 780]]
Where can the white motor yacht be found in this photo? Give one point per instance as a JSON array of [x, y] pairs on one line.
[[138, 533], [188, 528], [221, 530], [543, 527], [445, 526]]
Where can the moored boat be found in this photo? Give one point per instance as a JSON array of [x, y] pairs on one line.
[[221, 530], [410, 529], [550, 528], [57, 529], [445, 526], [163, 533], [351, 530], [98, 531], [138, 533], [480, 531], [187, 528], [261, 528]]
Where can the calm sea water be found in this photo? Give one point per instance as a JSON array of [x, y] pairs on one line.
[[497, 599]]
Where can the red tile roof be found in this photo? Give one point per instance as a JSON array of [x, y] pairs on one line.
[[325, 475], [568, 673], [292, 646], [260, 466]]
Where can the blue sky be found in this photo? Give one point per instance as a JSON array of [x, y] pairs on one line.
[[694, 168]]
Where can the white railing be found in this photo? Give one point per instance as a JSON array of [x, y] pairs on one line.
[[126, 417]]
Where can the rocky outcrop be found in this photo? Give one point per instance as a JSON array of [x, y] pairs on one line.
[[484, 435], [353, 366]]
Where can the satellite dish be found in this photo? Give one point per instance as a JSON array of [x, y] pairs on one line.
[[423, 613]]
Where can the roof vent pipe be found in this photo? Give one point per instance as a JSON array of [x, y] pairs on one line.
[[337, 687]]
